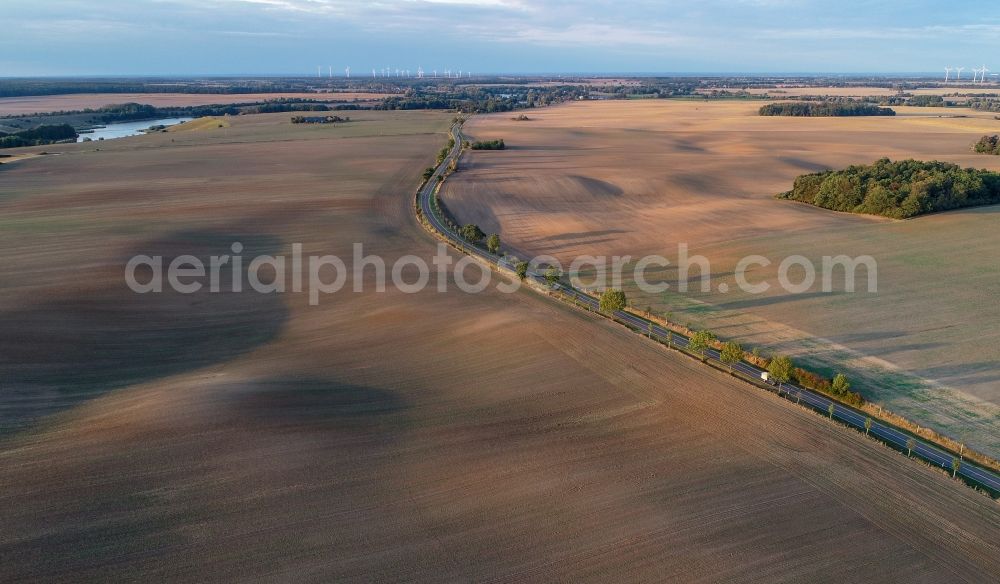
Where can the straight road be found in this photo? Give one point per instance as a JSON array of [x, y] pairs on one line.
[[894, 436]]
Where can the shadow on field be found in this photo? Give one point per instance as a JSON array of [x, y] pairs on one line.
[[94, 336], [597, 188], [803, 164], [312, 403], [980, 372], [776, 299]]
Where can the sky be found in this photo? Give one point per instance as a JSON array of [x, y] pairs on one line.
[[264, 37]]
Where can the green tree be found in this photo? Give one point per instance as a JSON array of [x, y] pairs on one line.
[[428, 172], [732, 353], [552, 275], [472, 233], [521, 269], [840, 384], [868, 425], [831, 409], [956, 464], [612, 299], [700, 342], [780, 369], [493, 243], [910, 445]]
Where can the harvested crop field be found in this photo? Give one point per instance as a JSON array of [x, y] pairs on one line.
[[35, 104], [638, 178], [859, 91], [392, 436]]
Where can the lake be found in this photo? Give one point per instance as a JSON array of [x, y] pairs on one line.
[[125, 129]]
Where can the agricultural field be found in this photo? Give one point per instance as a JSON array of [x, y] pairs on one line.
[[389, 436], [36, 104], [861, 91], [639, 178]]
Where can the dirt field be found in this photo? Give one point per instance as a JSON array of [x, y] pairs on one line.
[[425, 437], [637, 178], [18, 106]]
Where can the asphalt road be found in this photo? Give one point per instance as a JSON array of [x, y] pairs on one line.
[[850, 416]]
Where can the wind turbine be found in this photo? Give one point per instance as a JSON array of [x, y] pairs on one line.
[[947, 72], [982, 74], [420, 72], [373, 74], [319, 70], [347, 72], [959, 76], [331, 71]]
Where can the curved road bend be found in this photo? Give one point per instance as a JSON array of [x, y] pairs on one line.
[[887, 433]]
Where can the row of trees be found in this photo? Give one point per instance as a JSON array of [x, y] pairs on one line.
[[320, 119], [488, 145], [901, 189], [986, 104], [780, 368], [926, 101], [988, 145], [474, 235], [824, 109], [45, 134], [443, 153], [476, 99]]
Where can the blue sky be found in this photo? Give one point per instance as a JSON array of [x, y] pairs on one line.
[[166, 37]]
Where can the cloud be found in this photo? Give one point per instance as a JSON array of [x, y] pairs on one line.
[[553, 35]]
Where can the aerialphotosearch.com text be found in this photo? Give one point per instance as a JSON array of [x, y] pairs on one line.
[[320, 275]]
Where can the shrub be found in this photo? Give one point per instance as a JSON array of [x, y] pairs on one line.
[[988, 145]]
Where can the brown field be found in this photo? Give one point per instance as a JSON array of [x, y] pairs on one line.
[[36, 104], [868, 91], [637, 178], [426, 437]]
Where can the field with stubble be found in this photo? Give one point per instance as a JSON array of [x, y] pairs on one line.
[[389, 436], [638, 178]]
